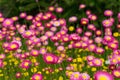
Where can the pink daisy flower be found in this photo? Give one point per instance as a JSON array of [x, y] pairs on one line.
[[84, 21], [102, 75], [72, 19], [97, 62], [99, 50], [25, 64], [2, 56], [107, 23], [98, 39], [18, 75], [79, 30], [84, 76], [91, 47], [29, 17], [116, 73], [91, 27], [51, 8], [108, 12], [7, 22], [82, 6], [92, 17], [75, 76], [37, 76], [13, 46], [34, 53], [42, 51], [59, 9], [90, 58], [23, 15], [50, 58], [60, 48]]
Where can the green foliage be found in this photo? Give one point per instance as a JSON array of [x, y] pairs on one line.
[[13, 7]]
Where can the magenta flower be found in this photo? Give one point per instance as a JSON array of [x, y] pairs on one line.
[[42, 51], [116, 73], [84, 45], [90, 58], [113, 45], [97, 62], [65, 38], [107, 23], [54, 38], [91, 47], [75, 76], [102, 75], [15, 18], [84, 76], [108, 38], [27, 34], [7, 22], [23, 15], [13, 46], [108, 12], [88, 12], [2, 19], [49, 33], [2, 56], [23, 56], [82, 6], [37, 76], [85, 38], [29, 17], [91, 27], [56, 23], [43, 38], [84, 21], [92, 17], [34, 53], [50, 58], [72, 19], [62, 22], [59, 9], [77, 45], [88, 34], [51, 8], [99, 50], [60, 48], [18, 75], [98, 39], [79, 30], [98, 32], [25, 64]]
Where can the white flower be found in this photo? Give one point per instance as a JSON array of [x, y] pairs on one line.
[[107, 62], [56, 23]]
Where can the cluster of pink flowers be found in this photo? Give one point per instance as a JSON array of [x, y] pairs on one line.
[[26, 41]]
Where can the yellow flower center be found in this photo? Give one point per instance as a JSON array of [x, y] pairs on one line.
[[49, 58], [103, 78], [76, 75], [37, 77], [26, 64], [8, 22], [13, 46], [117, 73]]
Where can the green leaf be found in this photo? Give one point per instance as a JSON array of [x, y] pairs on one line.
[[69, 2], [43, 4], [28, 7]]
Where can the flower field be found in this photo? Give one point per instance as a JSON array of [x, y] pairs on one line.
[[59, 40]]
